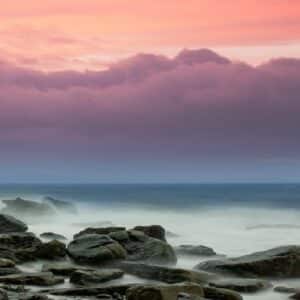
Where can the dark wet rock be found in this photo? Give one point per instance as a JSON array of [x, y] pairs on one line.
[[295, 296], [3, 295], [9, 271], [39, 279], [96, 276], [52, 236], [11, 224], [199, 250], [34, 296], [51, 250], [95, 248], [91, 291], [19, 247], [241, 285], [286, 290], [6, 263], [155, 231], [26, 209], [101, 230], [281, 262], [63, 268], [218, 293], [141, 247], [165, 274], [164, 292], [61, 205]]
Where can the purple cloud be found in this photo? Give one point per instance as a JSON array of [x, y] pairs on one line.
[[196, 105]]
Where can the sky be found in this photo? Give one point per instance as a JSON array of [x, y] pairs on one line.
[[150, 91]]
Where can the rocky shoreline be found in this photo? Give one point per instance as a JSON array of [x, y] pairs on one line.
[[96, 260]]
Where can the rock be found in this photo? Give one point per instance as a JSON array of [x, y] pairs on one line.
[[101, 230], [93, 277], [286, 290], [241, 285], [141, 247], [95, 248], [195, 250], [155, 231], [165, 274], [224, 294], [31, 296], [281, 262], [11, 224], [91, 291], [64, 268], [39, 279], [52, 250], [18, 246], [295, 296], [3, 295], [27, 209], [9, 271], [6, 263], [165, 292], [61, 205], [52, 236]]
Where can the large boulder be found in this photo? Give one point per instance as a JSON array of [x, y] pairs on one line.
[[198, 250], [155, 231], [141, 247], [39, 279], [99, 230], [280, 262], [18, 246], [81, 277], [95, 248], [163, 292], [61, 205], [165, 274], [52, 250], [138, 245], [27, 209], [11, 224]]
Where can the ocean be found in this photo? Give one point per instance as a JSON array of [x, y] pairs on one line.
[[234, 219]]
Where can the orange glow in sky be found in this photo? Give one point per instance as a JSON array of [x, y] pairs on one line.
[[90, 34]]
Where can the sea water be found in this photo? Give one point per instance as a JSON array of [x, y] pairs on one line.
[[234, 219]]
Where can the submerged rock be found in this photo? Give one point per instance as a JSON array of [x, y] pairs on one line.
[[61, 205], [281, 262], [81, 277], [26, 209], [39, 279], [155, 231], [52, 236], [95, 248], [165, 274], [11, 224], [286, 290], [164, 292], [199, 250], [241, 285]]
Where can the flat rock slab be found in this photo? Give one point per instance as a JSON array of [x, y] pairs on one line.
[[280, 262], [241, 285], [165, 274], [64, 268], [81, 277], [39, 279], [198, 250]]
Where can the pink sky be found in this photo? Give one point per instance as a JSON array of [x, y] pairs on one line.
[[90, 34]]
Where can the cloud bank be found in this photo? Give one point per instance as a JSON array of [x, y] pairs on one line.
[[198, 106]]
